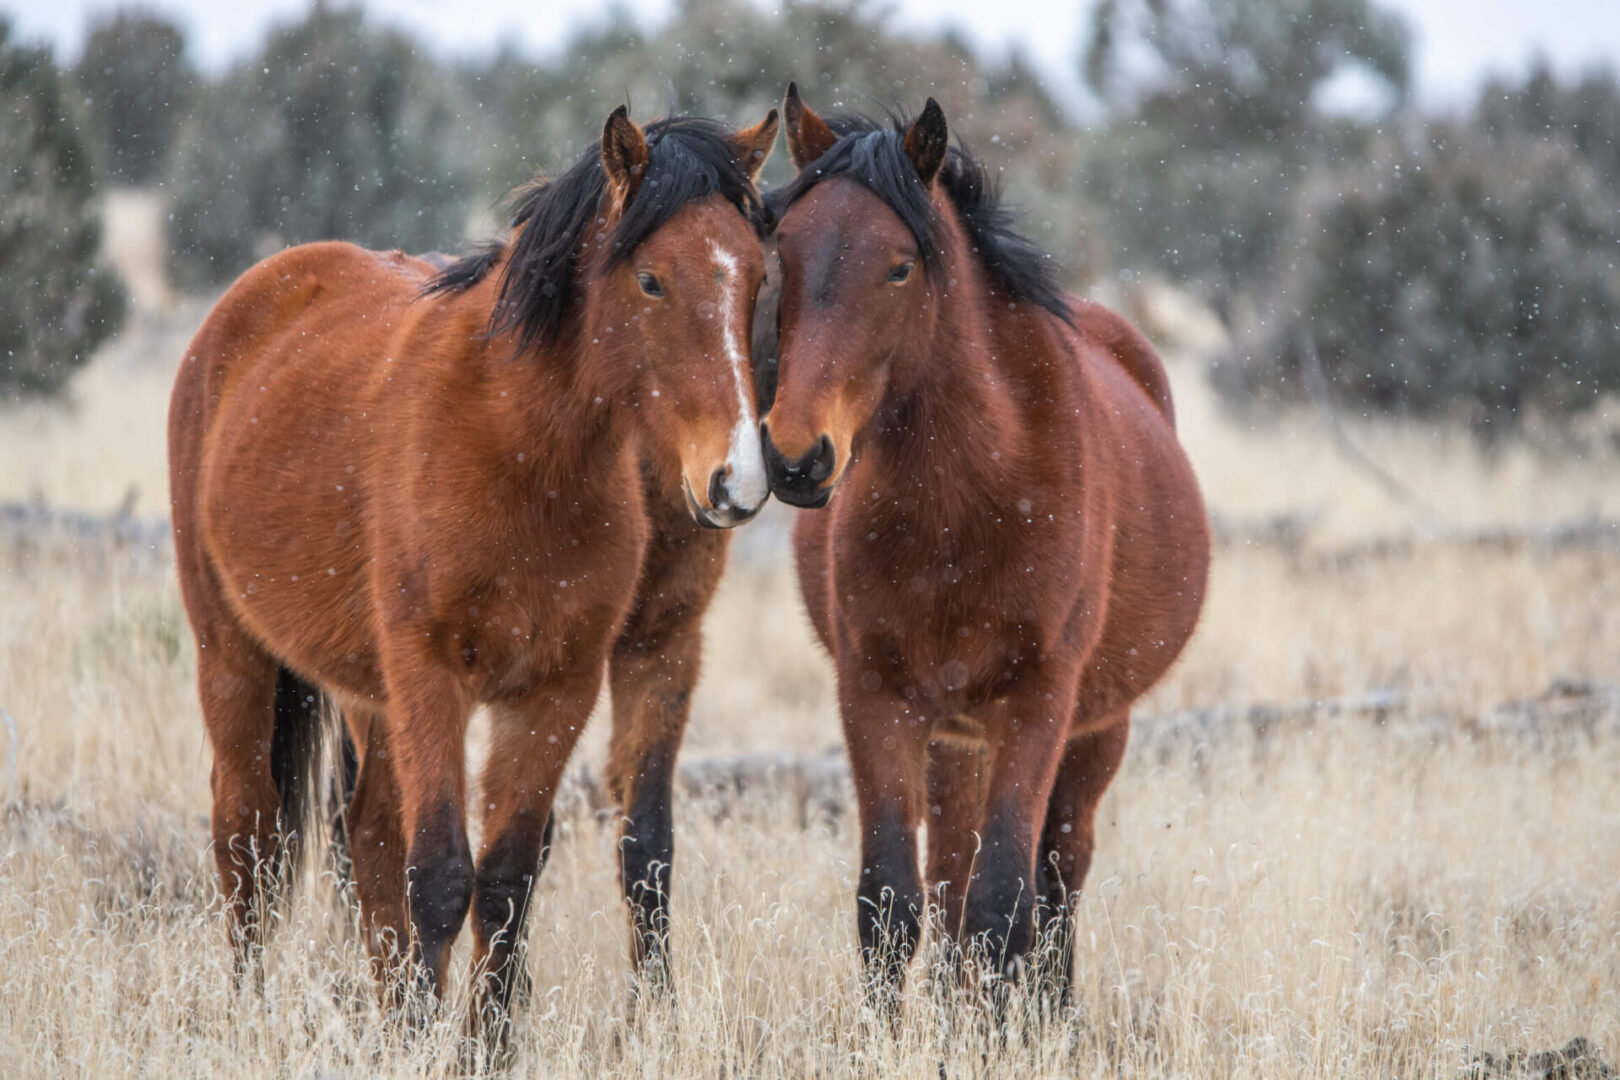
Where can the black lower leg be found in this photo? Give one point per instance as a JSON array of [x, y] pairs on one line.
[[646, 850], [1054, 926], [999, 915], [890, 905], [505, 886], [439, 874]]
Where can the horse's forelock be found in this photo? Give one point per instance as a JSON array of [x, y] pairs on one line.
[[872, 153]]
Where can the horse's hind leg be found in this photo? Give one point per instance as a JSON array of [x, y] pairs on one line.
[[376, 835], [653, 670], [236, 683], [1068, 839]]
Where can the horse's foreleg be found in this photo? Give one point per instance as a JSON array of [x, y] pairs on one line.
[[1068, 839], [954, 813], [888, 746], [652, 694], [426, 722], [652, 700], [1025, 733], [653, 672], [530, 742]]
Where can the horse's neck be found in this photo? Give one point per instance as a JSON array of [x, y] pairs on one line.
[[553, 421], [962, 433]]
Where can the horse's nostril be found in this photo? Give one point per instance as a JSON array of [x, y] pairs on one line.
[[717, 489], [825, 458]]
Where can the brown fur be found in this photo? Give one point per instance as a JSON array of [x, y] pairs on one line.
[[1017, 550], [372, 492]]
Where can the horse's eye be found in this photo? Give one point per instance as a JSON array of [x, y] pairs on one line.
[[649, 284], [900, 273]]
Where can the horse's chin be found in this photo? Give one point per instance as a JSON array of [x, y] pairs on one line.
[[812, 500]]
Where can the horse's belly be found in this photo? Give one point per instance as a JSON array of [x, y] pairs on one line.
[[312, 610], [1160, 575], [282, 517]]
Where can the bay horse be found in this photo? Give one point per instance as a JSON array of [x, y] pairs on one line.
[[1017, 549], [415, 491]]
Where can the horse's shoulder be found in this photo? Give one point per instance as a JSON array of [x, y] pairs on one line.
[[1109, 332]]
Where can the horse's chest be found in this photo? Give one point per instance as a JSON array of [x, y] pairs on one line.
[[952, 622], [956, 662]]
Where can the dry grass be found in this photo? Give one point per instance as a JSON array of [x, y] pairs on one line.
[[1350, 898]]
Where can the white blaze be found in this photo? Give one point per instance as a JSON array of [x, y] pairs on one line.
[[745, 485]]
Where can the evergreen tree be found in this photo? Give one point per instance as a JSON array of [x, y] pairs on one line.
[[338, 130], [137, 81], [1216, 122], [57, 301]]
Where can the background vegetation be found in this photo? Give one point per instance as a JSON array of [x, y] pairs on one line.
[[57, 300], [1460, 266]]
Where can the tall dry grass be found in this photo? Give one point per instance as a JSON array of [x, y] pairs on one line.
[[1360, 897]]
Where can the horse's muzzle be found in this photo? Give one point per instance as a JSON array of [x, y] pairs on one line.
[[721, 515], [800, 481]]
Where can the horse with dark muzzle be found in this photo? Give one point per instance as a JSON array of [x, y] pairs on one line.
[[1013, 547]]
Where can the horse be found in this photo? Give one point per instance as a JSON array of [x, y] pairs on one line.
[[415, 490], [1016, 551]]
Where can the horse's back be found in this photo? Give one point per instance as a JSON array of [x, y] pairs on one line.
[[333, 292], [1128, 348]]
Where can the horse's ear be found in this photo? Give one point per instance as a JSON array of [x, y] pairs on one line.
[[753, 145], [624, 158], [808, 136], [927, 140]]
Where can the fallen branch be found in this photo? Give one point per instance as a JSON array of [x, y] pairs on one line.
[[817, 788], [35, 523]]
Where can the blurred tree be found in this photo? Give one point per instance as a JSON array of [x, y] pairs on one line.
[[1586, 113], [57, 302], [136, 78], [337, 130], [1216, 118], [1470, 272]]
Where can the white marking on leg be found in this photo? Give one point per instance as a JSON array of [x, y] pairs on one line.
[[745, 486]]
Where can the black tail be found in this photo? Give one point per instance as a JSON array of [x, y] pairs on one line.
[[298, 767]]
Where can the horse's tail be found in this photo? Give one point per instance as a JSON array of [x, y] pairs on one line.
[[314, 794]]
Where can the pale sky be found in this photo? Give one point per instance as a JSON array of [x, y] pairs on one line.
[[1458, 41]]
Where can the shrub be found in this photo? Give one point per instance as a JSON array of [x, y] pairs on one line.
[[57, 302], [136, 81], [338, 130], [1460, 273]]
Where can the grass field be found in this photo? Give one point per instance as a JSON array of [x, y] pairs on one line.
[[1353, 892]]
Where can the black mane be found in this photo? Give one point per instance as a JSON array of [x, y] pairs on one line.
[[689, 158], [872, 153]]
